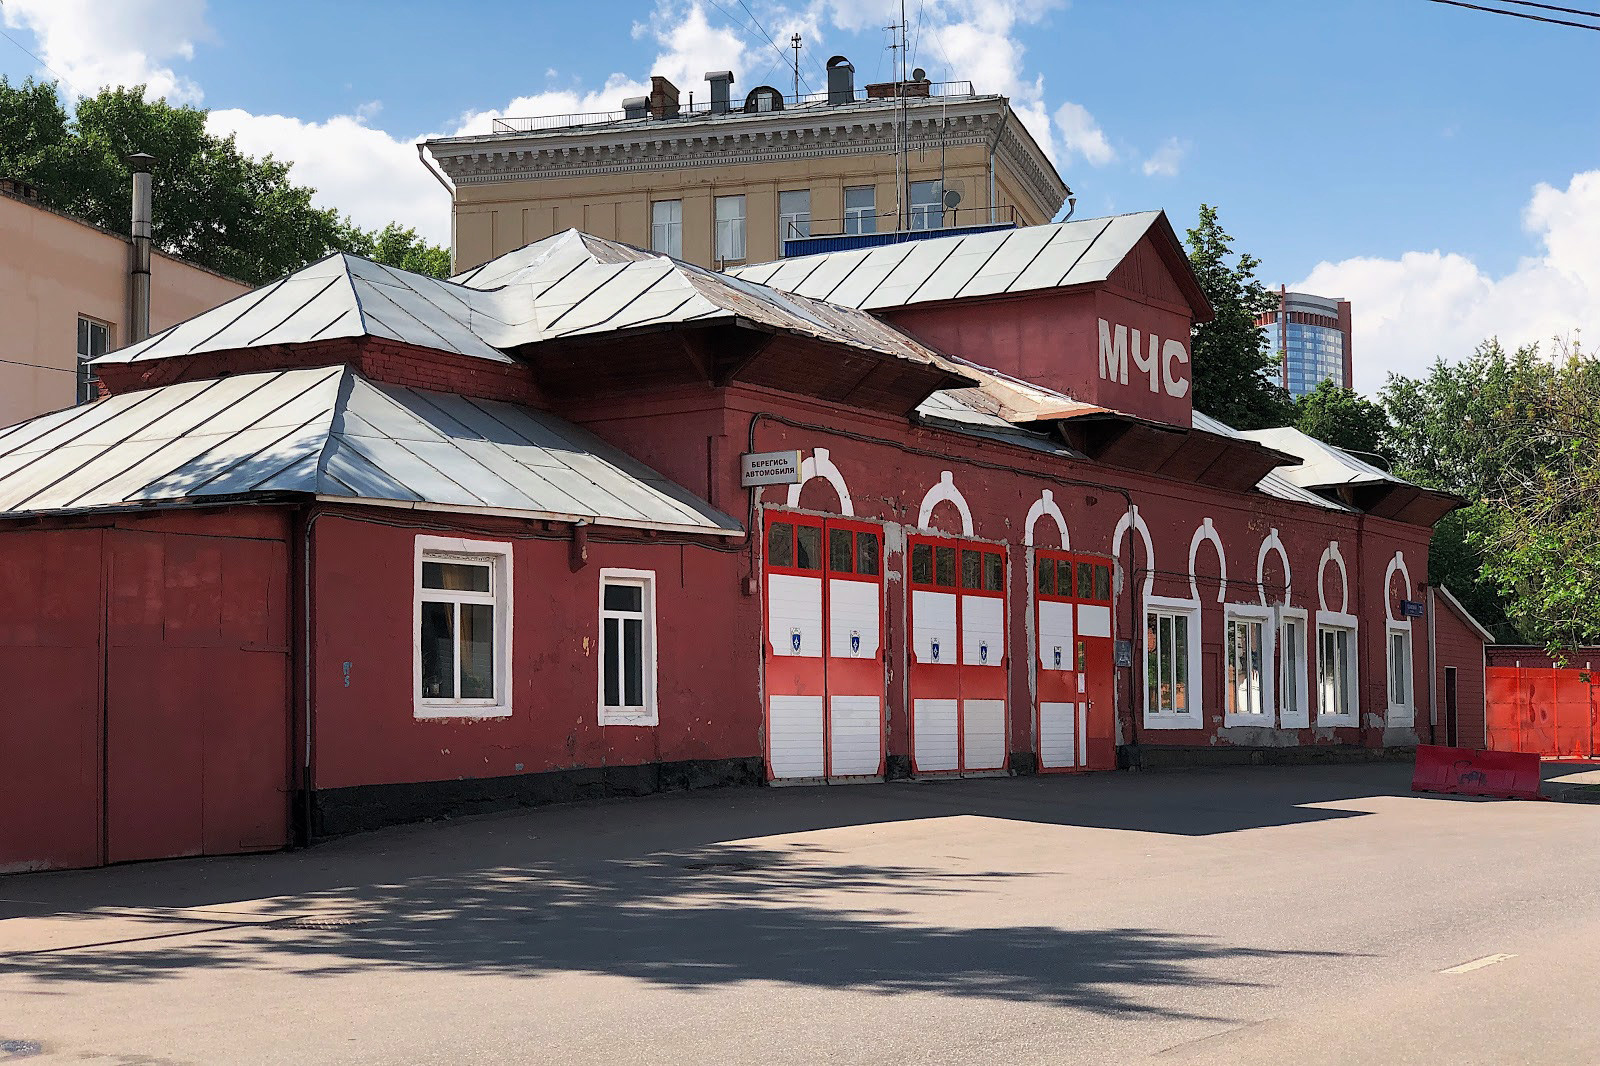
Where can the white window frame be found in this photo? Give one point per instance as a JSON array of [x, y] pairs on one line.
[[730, 234], [859, 220], [1333, 620], [88, 383], [667, 231], [1193, 717], [1403, 712], [1262, 616], [498, 555], [801, 220], [926, 215], [1301, 719], [650, 713]]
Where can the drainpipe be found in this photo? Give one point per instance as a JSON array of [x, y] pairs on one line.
[[1433, 674], [139, 271], [1005, 116]]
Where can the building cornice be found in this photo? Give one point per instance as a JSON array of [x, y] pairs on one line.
[[778, 137]]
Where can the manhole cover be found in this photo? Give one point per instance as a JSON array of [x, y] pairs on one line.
[[319, 923], [722, 866], [19, 1049]]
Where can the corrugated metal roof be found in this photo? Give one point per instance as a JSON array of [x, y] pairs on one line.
[[1322, 465], [567, 285], [329, 432], [949, 268], [1276, 483]]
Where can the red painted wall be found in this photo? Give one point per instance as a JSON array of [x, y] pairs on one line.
[[1459, 645], [1530, 657], [367, 733]]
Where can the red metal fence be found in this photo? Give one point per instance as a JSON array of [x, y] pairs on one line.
[[1547, 711]]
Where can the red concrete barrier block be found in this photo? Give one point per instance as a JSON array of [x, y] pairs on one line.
[[1467, 772]]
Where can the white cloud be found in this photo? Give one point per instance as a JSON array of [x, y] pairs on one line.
[[1423, 305], [131, 42], [1163, 162], [1081, 135]]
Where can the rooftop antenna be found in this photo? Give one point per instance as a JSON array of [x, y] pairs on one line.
[[794, 42]]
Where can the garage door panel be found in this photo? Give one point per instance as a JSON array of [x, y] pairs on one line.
[[855, 736], [933, 627], [1055, 635], [983, 630], [983, 734], [935, 735], [855, 609], [155, 715], [794, 611], [795, 736], [246, 758], [50, 794], [1058, 735]]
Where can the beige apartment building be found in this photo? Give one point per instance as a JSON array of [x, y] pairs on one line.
[[66, 297], [728, 181]]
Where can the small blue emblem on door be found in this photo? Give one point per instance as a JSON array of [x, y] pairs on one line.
[[1058, 656], [794, 638], [983, 651], [855, 642], [933, 647]]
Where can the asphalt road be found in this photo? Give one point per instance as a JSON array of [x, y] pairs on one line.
[[1266, 915]]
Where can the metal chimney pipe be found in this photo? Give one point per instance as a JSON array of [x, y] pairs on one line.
[[139, 272]]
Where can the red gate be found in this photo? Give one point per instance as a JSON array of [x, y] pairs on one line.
[[1076, 719], [1545, 711]]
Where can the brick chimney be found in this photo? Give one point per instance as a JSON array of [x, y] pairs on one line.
[[663, 98]]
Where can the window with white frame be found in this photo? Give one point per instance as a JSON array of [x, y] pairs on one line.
[[463, 627], [860, 209], [1247, 666], [627, 648], [730, 228], [927, 204], [94, 340], [666, 227], [794, 214], [1400, 695], [1172, 697], [1336, 673], [1294, 702]]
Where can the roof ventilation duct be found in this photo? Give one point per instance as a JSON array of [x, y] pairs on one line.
[[636, 107], [721, 84], [841, 81]]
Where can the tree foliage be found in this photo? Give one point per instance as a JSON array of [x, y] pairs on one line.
[[213, 205], [1343, 418], [1234, 380]]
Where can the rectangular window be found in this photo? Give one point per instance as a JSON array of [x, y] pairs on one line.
[[94, 340], [860, 209], [1245, 663], [627, 648], [927, 205], [730, 228], [1336, 675], [1400, 712], [1167, 656], [794, 214], [463, 627], [1293, 712], [666, 227]]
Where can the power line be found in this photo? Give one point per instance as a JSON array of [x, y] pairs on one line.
[[783, 58], [36, 59], [1553, 7], [40, 366], [1522, 14]]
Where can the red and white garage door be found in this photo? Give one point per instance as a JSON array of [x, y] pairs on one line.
[[1072, 623], [824, 647], [958, 655]]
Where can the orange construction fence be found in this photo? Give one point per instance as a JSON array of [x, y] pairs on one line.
[[1546, 711]]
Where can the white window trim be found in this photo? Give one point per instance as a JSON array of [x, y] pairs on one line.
[[733, 226], [1194, 717], [797, 217], [672, 226], [1400, 714], [1336, 620], [1300, 617], [1269, 647], [651, 715], [499, 554]]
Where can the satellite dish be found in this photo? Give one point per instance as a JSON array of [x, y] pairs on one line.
[[919, 75], [951, 199]]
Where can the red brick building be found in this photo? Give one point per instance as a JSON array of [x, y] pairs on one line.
[[362, 546]]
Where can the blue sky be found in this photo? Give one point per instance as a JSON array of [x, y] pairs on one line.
[[1436, 165]]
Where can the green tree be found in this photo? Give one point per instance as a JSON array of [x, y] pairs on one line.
[[1343, 418], [400, 247], [1234, 380], [213, 205]]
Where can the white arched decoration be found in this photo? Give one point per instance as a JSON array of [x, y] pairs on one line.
[[1271, 543], [1332, 555], [819, 465], [945, 490], [1046, 505], [1208, 532], [1131, 520], [1397, 563]]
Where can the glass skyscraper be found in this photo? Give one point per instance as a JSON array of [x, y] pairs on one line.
[[1310, 336]]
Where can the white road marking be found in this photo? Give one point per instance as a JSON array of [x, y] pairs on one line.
[[1478, 964]]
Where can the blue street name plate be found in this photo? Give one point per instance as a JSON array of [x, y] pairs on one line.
[[1411, 608]]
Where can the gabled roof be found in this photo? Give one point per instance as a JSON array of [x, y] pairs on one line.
[[330, 433], [568, 285], [1321, 465], [1465, 615], [996, 263]]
